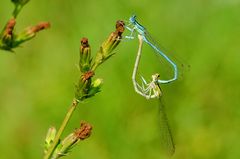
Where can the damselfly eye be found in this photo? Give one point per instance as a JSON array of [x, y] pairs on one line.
[[132, 18]]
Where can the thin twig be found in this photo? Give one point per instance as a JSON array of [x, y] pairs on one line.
[[61, 129]]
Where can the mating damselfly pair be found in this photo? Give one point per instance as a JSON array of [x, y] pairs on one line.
[[152, 89]]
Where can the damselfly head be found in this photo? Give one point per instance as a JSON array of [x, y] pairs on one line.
[[155, 77], [132, 19]]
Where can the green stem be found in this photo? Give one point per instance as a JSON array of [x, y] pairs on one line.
[[61, 129], [94, 67], [16, 11]]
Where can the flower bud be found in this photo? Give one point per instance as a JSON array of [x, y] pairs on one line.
[[95, 87], [8, 35], [30, 33], [97, 83], [83, 86], [72, 139], [49, 138], [109, 45], [84, 132], [85, 56]]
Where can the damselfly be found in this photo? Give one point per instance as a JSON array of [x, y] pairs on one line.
[[134, 27], [152, 90], [165, 131]]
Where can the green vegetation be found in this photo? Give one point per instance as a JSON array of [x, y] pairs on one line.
[[37, 83]]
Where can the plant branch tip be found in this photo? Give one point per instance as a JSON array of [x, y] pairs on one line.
[[85, 56], [40, 26], [84, 42], [84, 131], [120, 27], [8, 31]]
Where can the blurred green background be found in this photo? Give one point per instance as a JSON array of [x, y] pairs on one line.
[[37, 83]]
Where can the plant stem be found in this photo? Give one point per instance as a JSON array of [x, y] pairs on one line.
[[16, 10], [61, 129]]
